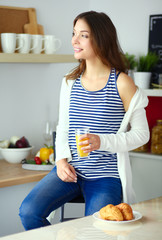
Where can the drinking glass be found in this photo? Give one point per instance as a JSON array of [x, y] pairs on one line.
[[78, 133], [47, 133]]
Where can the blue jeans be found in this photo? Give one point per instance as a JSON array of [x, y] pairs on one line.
[[51, 193]]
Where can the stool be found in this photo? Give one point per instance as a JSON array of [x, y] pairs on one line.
[[78, 199]]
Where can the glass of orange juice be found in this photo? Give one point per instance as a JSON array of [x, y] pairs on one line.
[[78, 133]]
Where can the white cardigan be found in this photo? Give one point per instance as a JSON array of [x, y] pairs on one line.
[[123, 141]]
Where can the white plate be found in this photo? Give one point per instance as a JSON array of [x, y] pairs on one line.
[[37, 167], [136, 215]]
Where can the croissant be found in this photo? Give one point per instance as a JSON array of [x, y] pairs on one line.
[[111, 212], [126, 211], [120, 212]]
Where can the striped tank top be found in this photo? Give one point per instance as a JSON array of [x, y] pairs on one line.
[[102, 112]]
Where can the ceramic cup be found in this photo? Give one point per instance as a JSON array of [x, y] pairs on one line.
[[37, 43], [26, 38], [51, 44], [8, 42]]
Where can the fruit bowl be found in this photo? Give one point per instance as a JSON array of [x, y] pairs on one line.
[[15, 155]]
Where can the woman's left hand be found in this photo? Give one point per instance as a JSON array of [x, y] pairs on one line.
[[92, 143]]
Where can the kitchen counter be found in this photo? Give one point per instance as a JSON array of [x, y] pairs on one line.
[[147, 228], [13, 174], [15, 184]]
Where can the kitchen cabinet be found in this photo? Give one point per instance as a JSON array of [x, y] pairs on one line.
[[146, 173], [15, 184], [36, 58], [147, 167]]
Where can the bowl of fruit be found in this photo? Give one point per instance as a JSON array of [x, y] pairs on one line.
[[15, 150]]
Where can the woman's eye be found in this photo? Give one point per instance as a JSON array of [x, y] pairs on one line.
[[85, 36], [73, 34], [80, 35]]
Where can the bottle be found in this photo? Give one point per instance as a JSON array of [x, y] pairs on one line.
[[156, 139]]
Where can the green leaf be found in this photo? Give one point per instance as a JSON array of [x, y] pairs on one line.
[[148, 62], [44, 163], [48, 146], [132, 62], [29, 161]]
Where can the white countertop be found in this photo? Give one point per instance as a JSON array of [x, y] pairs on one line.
[[145, 155], [87, 228]]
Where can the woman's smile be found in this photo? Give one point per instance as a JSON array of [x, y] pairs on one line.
[[77, 50]]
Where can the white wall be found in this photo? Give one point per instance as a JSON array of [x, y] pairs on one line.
[[131, 18], [29, 93]]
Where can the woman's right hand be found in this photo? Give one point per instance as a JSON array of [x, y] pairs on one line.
[[65, 171]]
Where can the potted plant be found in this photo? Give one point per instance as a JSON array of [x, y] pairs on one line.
[[131, 63], [145, 65]]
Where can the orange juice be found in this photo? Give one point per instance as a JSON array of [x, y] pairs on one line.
[[80, 151]]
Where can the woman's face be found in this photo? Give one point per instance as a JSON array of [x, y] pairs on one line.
[[81, 41]]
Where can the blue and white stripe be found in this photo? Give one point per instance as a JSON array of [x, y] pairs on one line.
[[102, 112]]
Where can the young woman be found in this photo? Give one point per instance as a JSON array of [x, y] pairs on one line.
[[98, 95]]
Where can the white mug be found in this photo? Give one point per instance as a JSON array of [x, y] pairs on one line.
[[51, 44], [37, 43], [8, 42], [26, 38]]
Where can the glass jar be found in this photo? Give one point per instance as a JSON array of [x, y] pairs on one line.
[[156, 139]]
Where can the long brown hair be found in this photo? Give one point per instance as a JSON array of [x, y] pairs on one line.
[[104, 42]]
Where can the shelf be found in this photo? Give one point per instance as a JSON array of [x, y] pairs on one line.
[[35, 58], [154, 92], [145, 155]]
